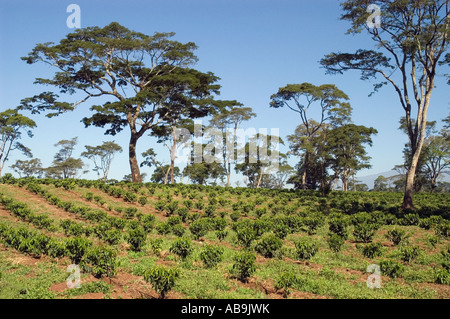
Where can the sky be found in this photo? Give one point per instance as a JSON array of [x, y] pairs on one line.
[[254, 46]]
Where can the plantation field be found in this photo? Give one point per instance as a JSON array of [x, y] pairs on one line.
[[187, 241]]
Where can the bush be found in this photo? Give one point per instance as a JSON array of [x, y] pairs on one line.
[[305, 248], [100, 261], [199, 228], [268, 245], [235, 216], [443, 229], [143, 200], [130, 197], [364, 233], [245, 235], [76, 248], [372, 250], [397, 236], [335, 242], [391, 268], [171, 208], [442, 276], [163, 228], [285, 281], [338, 225], [136, 238], [221, 234], [312, 223], [409, 253], [178, 230], [183, 212], [210, 210], [89, 196], [156, 245], [410, 220], [211, 255], [244, 266], [160, 205], [182, 247], [162, 279]]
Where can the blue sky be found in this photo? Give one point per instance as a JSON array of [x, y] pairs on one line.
[[254, 46]]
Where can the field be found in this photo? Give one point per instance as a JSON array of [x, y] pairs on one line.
[[218, 242]]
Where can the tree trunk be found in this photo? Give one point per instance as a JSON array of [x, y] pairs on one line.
[[229, 175], [135, 172]]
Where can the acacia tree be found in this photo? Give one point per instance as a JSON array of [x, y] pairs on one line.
[[412, 38], [229, 121], [102, 156], [142, 75], [64, 165], [334, 109], [32, 167], [12, 125]]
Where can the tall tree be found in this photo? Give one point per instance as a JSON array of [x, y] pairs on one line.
[[229, 121], [347, 145], [261, 153], [413, 38], [64, 165], [102, 156], [142, 74], [334, 109], [29, 168], [12, 125]]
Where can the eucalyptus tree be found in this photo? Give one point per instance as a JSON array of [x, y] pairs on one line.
[[411, 43], [140, 76], [12, 125], [333, 108]]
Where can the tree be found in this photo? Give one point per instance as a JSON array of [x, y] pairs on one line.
[[413, 37], [334, 109], [171, 135], [160, 173], [12, 125], [346, 144], [148, 78], [28, 168], [380, 184], [229, 121], [102, 156], [261, 153], [64, 165]]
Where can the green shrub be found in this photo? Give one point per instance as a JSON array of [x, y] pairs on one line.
[[171, 208], [443, 229], [160, 205], [183, 212], [181, 247], [130, 197], [305, 248], [221, 234], [174, 220], [245, 235], [391, 268], [425, 223], [338, 225], [364, 233], [268, 245], [397, 236], [156, 245], [136, 238], [235, 216], [162, 279], [178, 230], [143, 200], [372, 250], [76, 248], [199, 228], [335, 242], [442, 276], [210, 210], [285, 281], [112, 236], [243, 266], [89, 196], [410, 220], [100, 261], [211, 255], [188, 203], [163, 228], [409, 253], [312, 223]]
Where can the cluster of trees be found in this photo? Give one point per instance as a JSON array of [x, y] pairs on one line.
[[153, 89]]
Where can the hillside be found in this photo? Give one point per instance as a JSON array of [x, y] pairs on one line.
[[223, 243]]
